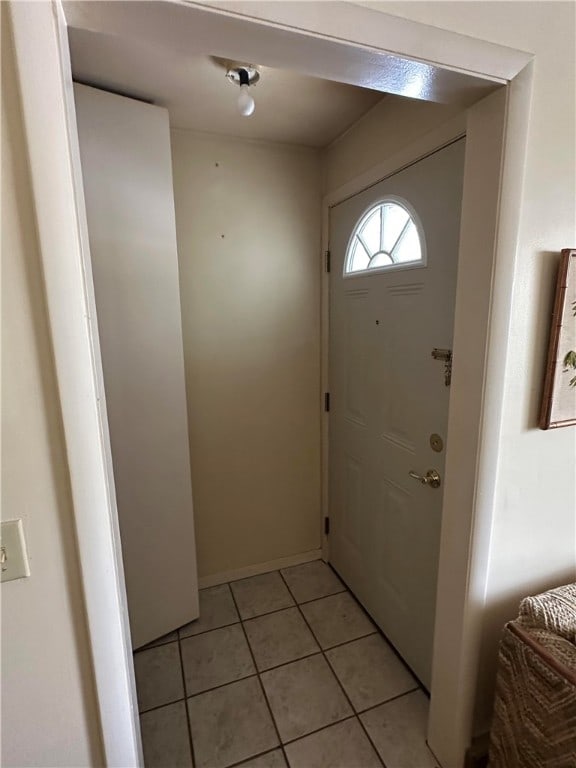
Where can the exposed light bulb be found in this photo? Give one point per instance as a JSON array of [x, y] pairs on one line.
[[246, 103]]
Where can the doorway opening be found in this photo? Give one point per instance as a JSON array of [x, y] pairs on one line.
[[399, 150], [254, 335]]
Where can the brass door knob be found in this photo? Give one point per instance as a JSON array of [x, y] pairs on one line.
[[431, 478]]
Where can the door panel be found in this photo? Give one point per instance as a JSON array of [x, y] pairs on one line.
[[388, 395], [357, 358], [127, 176]]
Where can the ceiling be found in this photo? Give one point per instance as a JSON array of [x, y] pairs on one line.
[[290, 107]]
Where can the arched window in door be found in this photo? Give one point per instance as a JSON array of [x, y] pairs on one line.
[[387, 236]]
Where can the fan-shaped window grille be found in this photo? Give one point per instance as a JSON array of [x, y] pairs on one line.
[[386, 237]]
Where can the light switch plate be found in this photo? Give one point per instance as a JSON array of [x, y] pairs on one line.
[[14, 557]]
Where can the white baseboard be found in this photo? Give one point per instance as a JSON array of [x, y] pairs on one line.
[[256, 570]]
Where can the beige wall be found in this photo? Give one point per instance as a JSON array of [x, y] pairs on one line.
[[48, 705], [393, 124], [533, 543], [248, 228], [47, 696]]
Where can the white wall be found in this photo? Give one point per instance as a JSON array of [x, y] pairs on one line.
[[248, 227], [533, 543], [49, 716]]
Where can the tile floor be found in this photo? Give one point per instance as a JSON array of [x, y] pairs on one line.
[[283, 669]]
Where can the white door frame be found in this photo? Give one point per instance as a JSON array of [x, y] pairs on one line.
[[496, 144]]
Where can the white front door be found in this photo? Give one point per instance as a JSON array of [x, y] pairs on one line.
[[389, 396]]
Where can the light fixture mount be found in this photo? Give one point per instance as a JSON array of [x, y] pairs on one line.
[[238, 72]]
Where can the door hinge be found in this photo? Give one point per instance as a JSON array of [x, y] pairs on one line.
[[327, 257], [327, 401], [326, 526]]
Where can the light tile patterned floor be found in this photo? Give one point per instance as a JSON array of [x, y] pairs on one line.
[[283, 669]]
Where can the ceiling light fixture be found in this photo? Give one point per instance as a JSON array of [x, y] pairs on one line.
[[244, 75]]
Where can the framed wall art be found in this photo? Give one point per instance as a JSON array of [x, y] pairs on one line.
[[559, 400]]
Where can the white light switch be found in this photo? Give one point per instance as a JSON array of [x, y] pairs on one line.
[[13, 555]]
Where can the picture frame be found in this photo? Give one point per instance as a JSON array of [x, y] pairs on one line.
[[559, 398]]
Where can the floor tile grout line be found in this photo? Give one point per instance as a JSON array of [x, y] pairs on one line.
[[418, 686], [223, 626], [266, 573], [380, 632], [248, 618], [295, 604], [303, 616], [161, 706], [156, 644], [191, 742], [205, 631], [389, 644], [337, 682], [271, 669], [185, 637], [348, 699], [154, 647], [254, 757], [292, 661], [348, 642], [338, 645], [386, 701], [356, 714], [358, 603], [258, 673], [374, 631], [284, 663], [314, 599], [353, 709], [268, 613], [253, 618], [254, 576], [222, 685], [323, 597], [319, 730], [274, 723], [376, 751]]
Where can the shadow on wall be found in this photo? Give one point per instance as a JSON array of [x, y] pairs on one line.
[[540, 320], [496, 614]]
